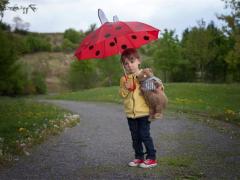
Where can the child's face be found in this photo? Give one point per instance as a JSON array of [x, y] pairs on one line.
[[131, 65]]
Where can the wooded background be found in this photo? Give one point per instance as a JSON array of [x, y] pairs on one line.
[[204, 53]]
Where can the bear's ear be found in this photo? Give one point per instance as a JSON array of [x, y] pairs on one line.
[[149, 70]]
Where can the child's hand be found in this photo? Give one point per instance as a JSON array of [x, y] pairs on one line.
[[159, 86], [158, 83], [129, 84]]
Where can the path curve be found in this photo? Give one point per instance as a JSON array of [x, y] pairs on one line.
[[100, 147]]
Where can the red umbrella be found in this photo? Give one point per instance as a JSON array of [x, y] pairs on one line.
[[114, 37]]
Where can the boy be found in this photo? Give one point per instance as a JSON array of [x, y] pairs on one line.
[[137, 111]]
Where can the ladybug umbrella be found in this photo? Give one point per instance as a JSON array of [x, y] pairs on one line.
[[114, 37]]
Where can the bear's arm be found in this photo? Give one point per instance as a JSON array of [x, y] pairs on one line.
[[158, 83]]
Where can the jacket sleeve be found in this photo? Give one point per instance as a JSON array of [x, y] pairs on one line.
[[123, 92]]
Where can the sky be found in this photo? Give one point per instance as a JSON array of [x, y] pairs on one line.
[[59, 15]]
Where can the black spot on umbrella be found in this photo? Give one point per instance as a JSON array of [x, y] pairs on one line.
[[118, 28], [146, 38], [115, 39], [90, 47], [112, 44], [134, 37], [124, 46], [107, 35], [97, 52]]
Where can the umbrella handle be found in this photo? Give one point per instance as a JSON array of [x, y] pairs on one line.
[[124, 70], [125, 74], [126, 78]]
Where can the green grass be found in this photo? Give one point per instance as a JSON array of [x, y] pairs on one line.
[[24, 122], [179, 161], [103, 94], [221, 101]]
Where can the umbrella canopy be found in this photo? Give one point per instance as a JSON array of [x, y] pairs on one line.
[[114, 37]]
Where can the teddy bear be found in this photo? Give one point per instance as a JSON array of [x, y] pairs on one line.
[[153, 91]]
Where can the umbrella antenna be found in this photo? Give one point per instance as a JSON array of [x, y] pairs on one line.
[[115, 18], [102, 17]]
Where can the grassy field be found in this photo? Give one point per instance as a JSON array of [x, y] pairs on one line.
[[24, 122], [221, 101]]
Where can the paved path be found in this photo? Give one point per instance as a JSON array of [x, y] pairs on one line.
[[100, 147]]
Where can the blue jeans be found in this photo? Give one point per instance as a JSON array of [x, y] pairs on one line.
[[140, 132]]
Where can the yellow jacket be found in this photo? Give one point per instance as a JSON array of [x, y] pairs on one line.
[[134, 104]]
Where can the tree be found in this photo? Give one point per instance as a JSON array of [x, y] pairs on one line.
[[216, 68], [109, 71], [25, 10], [3, 4], [232, 29], [167, 56], [91, 28], [11, 77], [20, 25], [196, 48]]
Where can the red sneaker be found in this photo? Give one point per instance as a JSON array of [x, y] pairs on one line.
[[135, 162], [148, 163]]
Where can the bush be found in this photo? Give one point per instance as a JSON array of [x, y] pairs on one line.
[[4, 26], [34, 80], [73, 35], [39, 83], [21, 31], [68, 46], [57, 49], [82, 75], [37, 43], [29, 88], [21, 45], [16, 78]]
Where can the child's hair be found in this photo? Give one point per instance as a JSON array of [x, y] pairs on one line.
[[129, 53]]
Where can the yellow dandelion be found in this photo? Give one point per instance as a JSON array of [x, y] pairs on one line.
[[230, 112], [22, 129]]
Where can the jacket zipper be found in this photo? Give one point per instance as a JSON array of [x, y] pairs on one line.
[[133, 100]]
